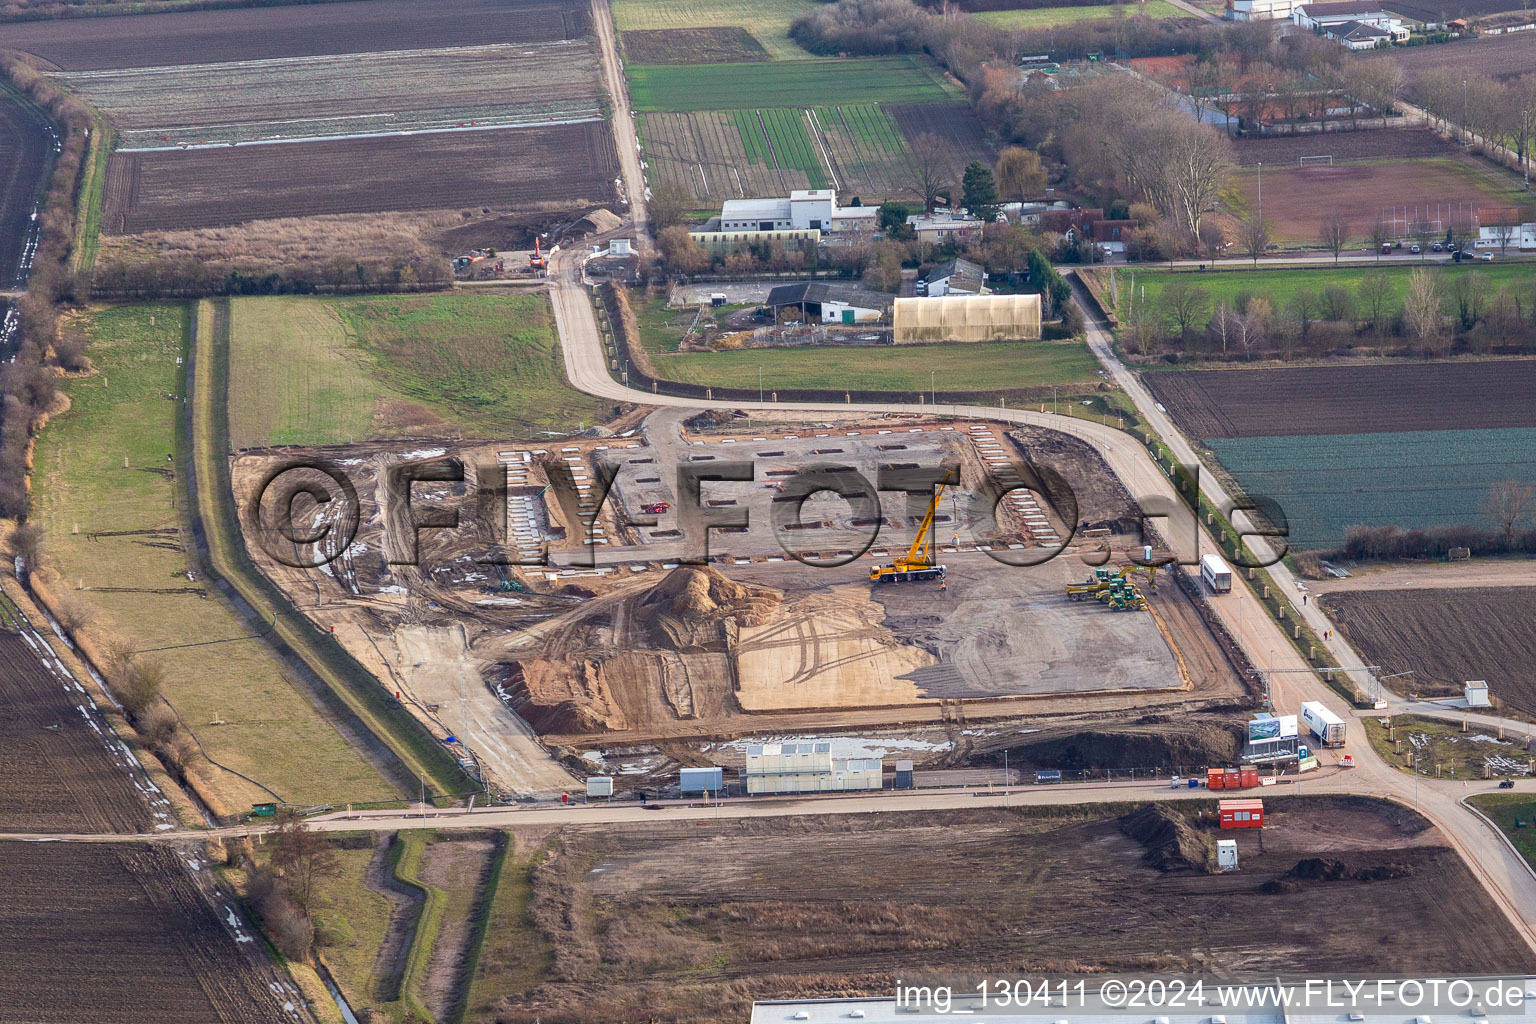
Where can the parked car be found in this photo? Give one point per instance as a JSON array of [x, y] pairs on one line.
[[1437, 247], [1415, 250], [1386, 248], [1486, 257]]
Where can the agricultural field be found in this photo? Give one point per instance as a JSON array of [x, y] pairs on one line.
[[105, 495], [1297, 199], [564, 165], [767, 20], [985, 366], [1414, 445], [1445, 637], [352, 94], [25, 151], [324, 371], [637, 924], [1361, 399], [1500, 56], [88, 929], [311, 30], [902, 79], [722, 45], [1050, 17], [860, 148]]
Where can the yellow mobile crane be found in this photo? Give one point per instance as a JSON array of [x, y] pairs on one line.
[[916, 564]]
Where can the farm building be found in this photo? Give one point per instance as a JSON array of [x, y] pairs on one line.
[[809, 209], [956, 277], [968, 318], [1241, 813], [829, 302], [1505, 229], [808, 768], [1260, 10], [723, 243]]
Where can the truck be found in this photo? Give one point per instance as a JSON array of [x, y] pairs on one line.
[[1322, 723], [1215, 574]]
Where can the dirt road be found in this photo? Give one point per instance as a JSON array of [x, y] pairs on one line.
[[1481, 572], [623, 121]]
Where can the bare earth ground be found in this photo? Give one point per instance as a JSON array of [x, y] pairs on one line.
[[1380, 398], [1482, 572], [1445, 637], [462, 866], [699, 914], [205, 37], [1367, 143], [640, 653], [1500, 56]]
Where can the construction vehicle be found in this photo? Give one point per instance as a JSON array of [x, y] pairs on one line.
[[655, 508], [917, 564], [537, 261], [1114, 588]]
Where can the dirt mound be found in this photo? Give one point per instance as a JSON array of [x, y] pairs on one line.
[[1172, 843], [561, 696], [1329, 869], [598, 222], [1146, 745], [692, 606]]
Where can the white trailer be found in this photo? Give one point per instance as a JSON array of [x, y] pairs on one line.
[[1322, 723], [1215, 573]]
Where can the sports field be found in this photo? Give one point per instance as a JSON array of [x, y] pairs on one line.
[[903, 79], [768, 20], [1280, 285], [323, 371], [1049, 17], [1297, 199], [105, 491], [991, 366]]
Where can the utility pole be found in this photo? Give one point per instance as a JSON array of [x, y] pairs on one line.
[[1525, 160], [759, 385], [1261, 191], [423, 795], [1053, 400], [933, 391], [1464, 127]]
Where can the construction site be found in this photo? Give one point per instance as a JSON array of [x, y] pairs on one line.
[[961, 585]]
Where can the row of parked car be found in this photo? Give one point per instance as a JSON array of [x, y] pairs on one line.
[[1457, 255]]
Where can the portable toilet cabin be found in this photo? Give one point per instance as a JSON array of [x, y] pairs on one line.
[[1226, 854], [1241, 813]]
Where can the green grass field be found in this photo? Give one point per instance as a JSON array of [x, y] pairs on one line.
[[983, 366], [768, 20], [103, 468], [1049, 17], [320, 371], [787, 84], [1281, 284], [1506, 809]]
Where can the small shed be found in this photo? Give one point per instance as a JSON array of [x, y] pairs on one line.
[[1241, 813], [599, 785], [1477, 693], [1226, 854], [906, 778], [702, 780]]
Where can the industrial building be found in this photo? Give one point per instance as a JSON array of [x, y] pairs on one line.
[[812, 209], [808, 768], [966, 318], [829, 302]]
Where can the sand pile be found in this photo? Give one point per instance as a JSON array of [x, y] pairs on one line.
[[1172, 843], [694, 607], [562, 696]]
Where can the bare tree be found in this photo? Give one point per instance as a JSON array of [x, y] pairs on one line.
[[1255, 324], [1019, 174], [1375, 290], [303, 858], [1381, 234], [1509, 504], [1184, 305], [1335, 234], [928, 168], [1224, 325], [1213, 238], [1253, 236], [1422, 319]]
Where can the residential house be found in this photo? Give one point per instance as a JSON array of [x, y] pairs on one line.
[[956, 277], [1358, 24], [944, 226]]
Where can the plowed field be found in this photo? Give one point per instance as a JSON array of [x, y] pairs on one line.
[[24, 143], [1499, 56], [1431, 633], [227, 185], [207, 37]]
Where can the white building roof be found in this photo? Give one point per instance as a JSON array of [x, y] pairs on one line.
[[755, 209]]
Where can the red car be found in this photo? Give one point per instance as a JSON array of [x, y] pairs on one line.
[[655, 508]]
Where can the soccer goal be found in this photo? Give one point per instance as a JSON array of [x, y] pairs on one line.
[[1316, 161]]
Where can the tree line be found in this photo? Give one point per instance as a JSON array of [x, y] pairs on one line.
[[1437, 315]]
